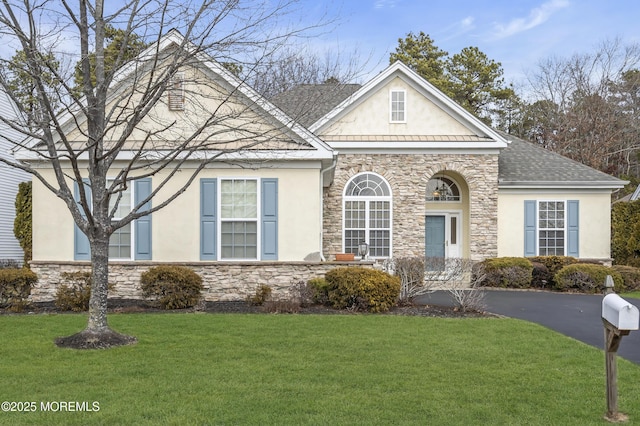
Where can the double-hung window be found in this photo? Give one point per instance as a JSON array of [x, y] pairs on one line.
[[121, 240], [551, 228], [398, 106], [239, 218]]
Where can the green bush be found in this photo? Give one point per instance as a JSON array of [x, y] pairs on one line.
[[22, 224], [173, 287], [362, 289], [540, 276], [630, 276], [319, 291], [505, 272], [625, 233], [262, 294], [587, 278], [75, 293], [15, 287]]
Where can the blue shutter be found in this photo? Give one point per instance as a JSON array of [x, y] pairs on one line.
[[208, 225], [573, 222], [269, 219], [142, 189], [530, 220], [81, 247]]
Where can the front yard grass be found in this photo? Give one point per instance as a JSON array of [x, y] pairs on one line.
[[309, 369]]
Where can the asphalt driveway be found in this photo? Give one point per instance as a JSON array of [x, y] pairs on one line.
[[575, 315]]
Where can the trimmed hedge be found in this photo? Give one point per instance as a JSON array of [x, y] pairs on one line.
[[543, 275], [630, 276], [505, 272], [173, 287], [15, 287], [75, 293], [587, 278], [362, 289]]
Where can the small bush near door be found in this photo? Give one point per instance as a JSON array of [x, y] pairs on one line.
[[362, 289], [172, 287]]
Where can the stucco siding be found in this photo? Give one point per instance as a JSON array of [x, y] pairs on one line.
[[176, 228], [594, 220]]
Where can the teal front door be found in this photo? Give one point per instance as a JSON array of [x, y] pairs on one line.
[[435, 242]]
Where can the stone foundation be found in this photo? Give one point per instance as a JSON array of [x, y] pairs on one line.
[[223, 281]]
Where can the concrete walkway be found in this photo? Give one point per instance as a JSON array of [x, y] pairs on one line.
[[575, 315]]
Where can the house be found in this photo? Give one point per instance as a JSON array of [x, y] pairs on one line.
[[393, 163], [10, 178]]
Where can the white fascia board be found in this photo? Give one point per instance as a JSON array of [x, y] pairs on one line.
[[368, 145]]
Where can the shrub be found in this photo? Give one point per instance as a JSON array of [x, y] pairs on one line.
[[319, 291], [506, 272], [554, 263], [540, 276], [74, 295], [362, 289], [173, 287], [262, 294], [15, 287], [22, 224], [410, 270], [586, 278], [630, 276]]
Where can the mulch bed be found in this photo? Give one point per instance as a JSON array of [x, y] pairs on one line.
[[242, 307]]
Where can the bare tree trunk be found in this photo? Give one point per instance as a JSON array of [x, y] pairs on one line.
[[99, 286]]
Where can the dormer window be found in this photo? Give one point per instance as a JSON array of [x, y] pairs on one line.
[[176, 93], [398, 106]]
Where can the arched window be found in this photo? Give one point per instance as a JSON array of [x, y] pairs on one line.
[[441, 188], [367, 214]]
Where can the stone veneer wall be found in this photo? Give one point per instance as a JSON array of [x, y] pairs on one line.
[[223, 281], [408, 175]]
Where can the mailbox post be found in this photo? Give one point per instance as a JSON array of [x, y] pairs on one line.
[[619, 318]]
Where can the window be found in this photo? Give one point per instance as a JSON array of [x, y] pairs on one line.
[[176, 93], [367, 215], [442, 188], [132, 241], [120, 241], [239, 219], [551, 228], [398, 106]]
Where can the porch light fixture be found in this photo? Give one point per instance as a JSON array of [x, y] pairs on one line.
[[441, 190], [363, 250]]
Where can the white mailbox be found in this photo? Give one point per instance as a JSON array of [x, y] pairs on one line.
[[620, 313]]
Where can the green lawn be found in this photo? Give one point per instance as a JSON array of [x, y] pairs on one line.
[[634, 294], [310, 369]]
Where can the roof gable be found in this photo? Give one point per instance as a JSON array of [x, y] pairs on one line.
[[432, 117]]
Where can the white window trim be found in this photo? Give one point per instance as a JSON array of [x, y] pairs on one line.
[[131, 186], [388, 198], [221, 219], [538, 229], [391, 92]]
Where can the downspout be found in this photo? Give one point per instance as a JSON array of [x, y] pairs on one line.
[[322, 172]]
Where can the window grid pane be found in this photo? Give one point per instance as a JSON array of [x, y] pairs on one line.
[[239, 199], [551, 224], [120, 243], [352, 238], [397, 106], [239, 240]]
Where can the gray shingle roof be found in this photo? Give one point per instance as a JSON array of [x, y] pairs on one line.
[[523, 163], [307, 103]]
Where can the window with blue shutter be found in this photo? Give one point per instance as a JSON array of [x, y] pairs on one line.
[[81, 247], [208, 215], [573, 227], [142, 189], [269, 219], [530, 220]]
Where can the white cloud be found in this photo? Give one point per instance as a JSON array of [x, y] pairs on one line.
[[385, 4], [536, 17]]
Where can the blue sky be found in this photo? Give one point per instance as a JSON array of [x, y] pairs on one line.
[[516, 33]]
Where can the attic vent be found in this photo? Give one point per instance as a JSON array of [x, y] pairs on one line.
[[176, 93]]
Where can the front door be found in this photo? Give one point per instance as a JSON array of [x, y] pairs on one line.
[[442, 238]]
